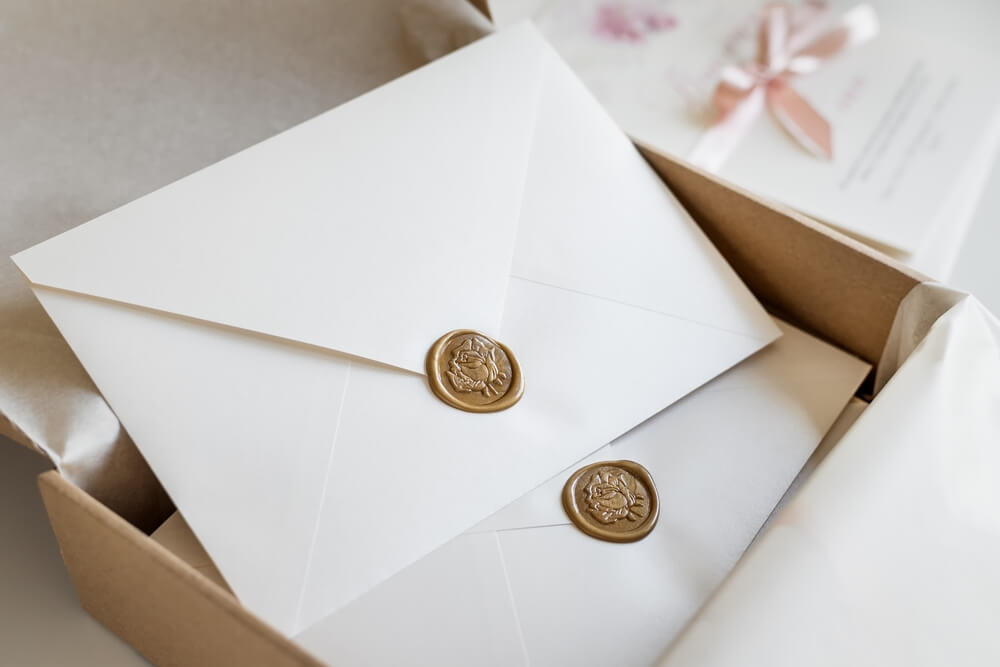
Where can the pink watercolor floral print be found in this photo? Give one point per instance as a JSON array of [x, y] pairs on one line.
[[624, 21]]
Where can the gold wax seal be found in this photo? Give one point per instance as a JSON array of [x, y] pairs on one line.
[[612, 500], [473, 372]]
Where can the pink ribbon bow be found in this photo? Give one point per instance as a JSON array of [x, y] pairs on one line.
[[788, 45]]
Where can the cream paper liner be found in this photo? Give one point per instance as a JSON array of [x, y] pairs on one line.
[[887, 556]]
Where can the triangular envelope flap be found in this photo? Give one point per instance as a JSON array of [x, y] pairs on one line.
[[799, 379], [344, 231], [592, 201], [238, 429]]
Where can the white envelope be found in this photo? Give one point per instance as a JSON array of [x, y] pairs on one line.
[[260, 327], [525, 587]]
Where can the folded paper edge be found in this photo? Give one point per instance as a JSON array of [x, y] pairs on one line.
[[13, 432], [917, 314]]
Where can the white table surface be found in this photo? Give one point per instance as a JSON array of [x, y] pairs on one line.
[[41, 622]]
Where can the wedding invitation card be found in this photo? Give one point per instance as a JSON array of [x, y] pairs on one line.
[[904, 115]]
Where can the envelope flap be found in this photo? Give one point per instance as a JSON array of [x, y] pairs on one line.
[[300, 237], [799, 381]]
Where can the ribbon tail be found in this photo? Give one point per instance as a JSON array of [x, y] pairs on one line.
[[855, 27], [719, 140], [801, 120]]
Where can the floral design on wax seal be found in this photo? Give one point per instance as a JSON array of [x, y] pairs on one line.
[[612, 500], [471, 371], [475, 366], [613, 495]]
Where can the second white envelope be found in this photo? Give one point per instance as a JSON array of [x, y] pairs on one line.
[[527, 587], [260, 327]]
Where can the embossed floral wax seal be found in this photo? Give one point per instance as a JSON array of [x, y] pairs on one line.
[[473, 372], [612, 500]]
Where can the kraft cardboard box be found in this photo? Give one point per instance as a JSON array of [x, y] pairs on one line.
[[819, 280]]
